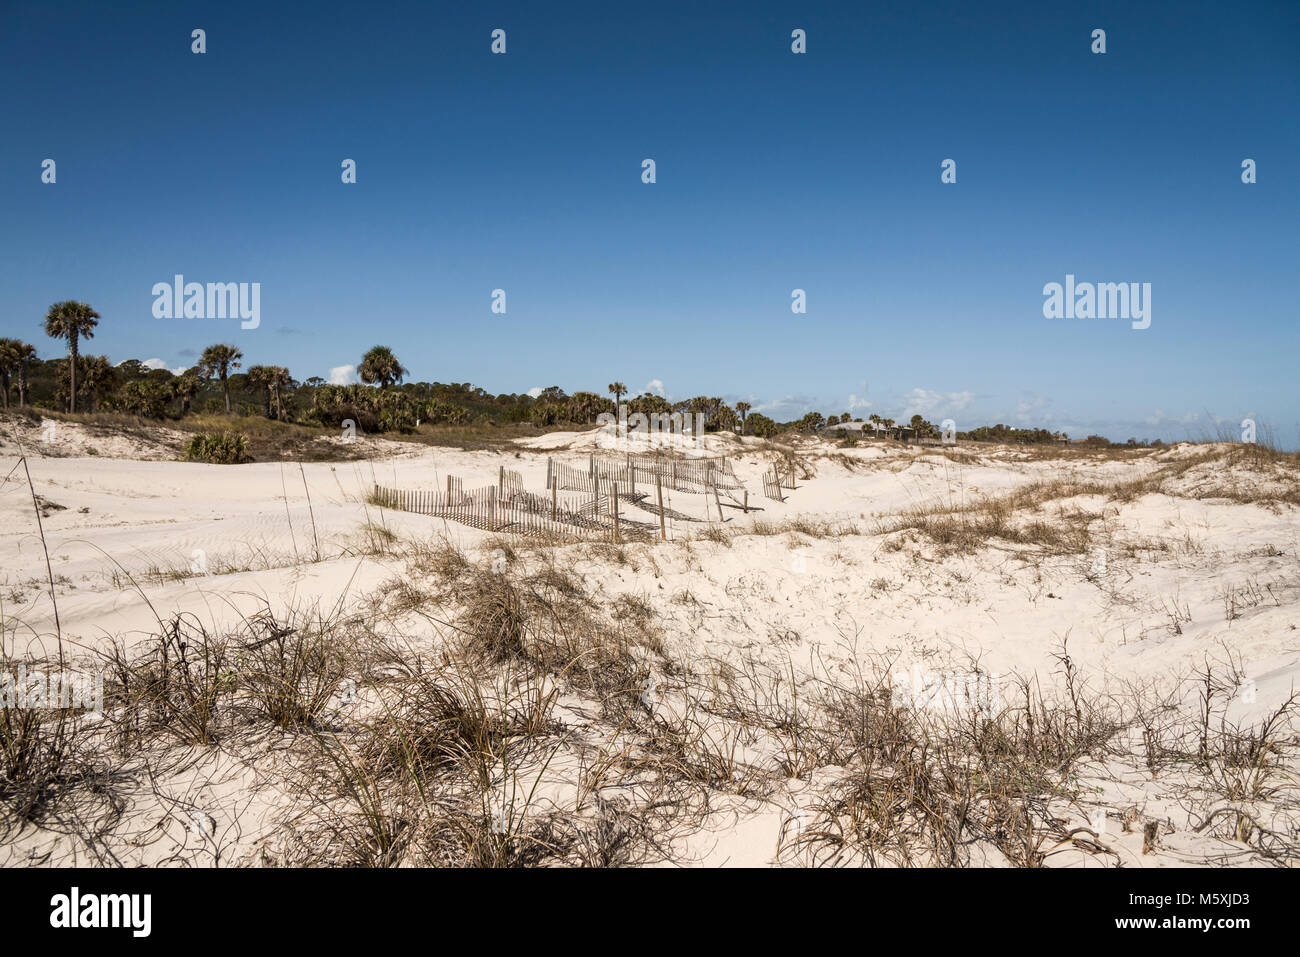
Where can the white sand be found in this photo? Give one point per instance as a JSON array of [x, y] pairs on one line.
[[774, 596]]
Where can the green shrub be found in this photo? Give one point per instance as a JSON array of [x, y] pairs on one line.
[[218, 448]]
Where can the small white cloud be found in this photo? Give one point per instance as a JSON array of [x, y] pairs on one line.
[[654, 385], [535, 391], [156, 363], [343, 375], [858, 402]]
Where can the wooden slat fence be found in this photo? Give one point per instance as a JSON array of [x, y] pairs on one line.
[[576, 518], [772, 484], [631, 471]]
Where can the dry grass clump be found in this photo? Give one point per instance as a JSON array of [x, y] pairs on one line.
[[176, 687], [48, 766], [192, 686], [290, 670], [716, 534], [970, 530], [438, 559]]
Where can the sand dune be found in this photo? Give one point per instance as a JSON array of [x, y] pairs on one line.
[[883, 556]]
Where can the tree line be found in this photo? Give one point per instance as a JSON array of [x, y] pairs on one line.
[[384, 401]]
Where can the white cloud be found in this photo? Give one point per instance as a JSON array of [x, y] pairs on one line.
[[156, 363], [535, 391], [858, 402], [927, 402], [343, 375], [656, 386]]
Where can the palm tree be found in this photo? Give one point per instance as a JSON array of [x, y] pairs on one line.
[[218, 360], [380, 365], [742, 410], [25, 358], [72, 321], [8, 366], [280, 379], [185, 387], [259, 377], [617, 390], [98, 376]]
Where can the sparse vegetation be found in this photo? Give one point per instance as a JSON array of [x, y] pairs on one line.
[[218, 448]]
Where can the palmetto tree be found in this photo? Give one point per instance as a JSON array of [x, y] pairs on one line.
[[617, 390], [8, 366], [583, 405], [380, 365], [185, 387], [279, 381], [217, 361], [25, 354], [259, 377], [72, 321], [742, 410], [98, 376]]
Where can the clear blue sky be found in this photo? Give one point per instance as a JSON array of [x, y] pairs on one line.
[[775, 171]]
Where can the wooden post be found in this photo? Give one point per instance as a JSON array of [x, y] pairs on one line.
[[659, 494], [492, 508], [613, 506], [718, 502], [548, 473], [746, 501], [501, 481], [553, 486]]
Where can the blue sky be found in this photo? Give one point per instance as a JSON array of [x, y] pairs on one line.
[[775, 171]]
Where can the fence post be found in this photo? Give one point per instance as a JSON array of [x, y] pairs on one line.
[[659, 494], [553, 487], [492, 508], [613, 507], [501, 481], [746, 501]]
